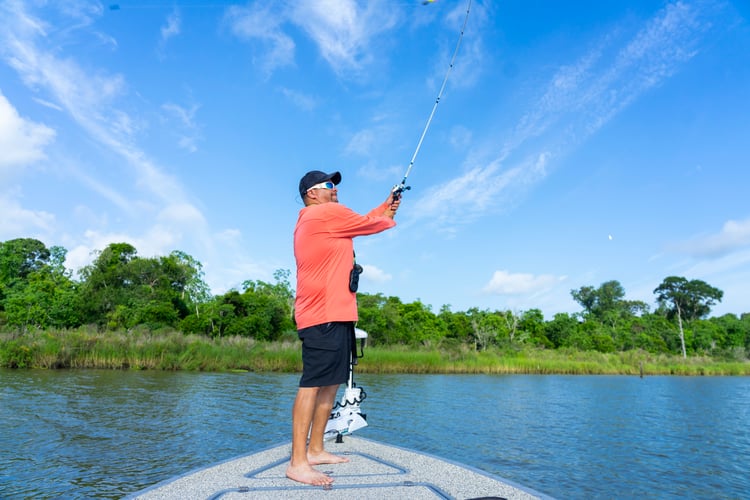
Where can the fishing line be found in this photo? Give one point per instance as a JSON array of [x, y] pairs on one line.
[[398, 189]]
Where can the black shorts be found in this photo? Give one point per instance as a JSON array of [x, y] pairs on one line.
[[326, 353]]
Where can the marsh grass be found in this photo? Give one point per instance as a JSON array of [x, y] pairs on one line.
[[141, 349]]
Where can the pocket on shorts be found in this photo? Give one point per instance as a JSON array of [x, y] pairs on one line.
[[325, 337], [326, 341]]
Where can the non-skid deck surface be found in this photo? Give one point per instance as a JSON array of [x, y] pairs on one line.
[[374, 471]]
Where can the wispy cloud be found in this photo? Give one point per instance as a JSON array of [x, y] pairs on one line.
[[169, 30], [299, 99], [478, 191], [172, 27], [343, 31], [187, 126], [263, 23], [88, 98], [471, 57], [579, 99], [361, 142]]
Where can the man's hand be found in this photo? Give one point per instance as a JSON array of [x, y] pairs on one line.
[[394, 202]]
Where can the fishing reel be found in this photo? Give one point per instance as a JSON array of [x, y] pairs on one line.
[[398, 189]]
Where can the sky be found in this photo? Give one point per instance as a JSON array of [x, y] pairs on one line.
[[574, 143]]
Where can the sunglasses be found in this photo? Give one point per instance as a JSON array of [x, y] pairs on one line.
[[323, 185]]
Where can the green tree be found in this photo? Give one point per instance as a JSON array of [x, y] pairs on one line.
[[119, 289], [686, 300], [281, 291], [371, 318], [607, 303], [36, 289], [185, 276], [457, 325], [653, 333], [423, 325], [745, 321], [106, 283], [562, 327], [532, 326], [486, 327], [262, 311], [380, 317], [20, 257]]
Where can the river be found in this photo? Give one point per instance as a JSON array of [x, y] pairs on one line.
[[105, 434]]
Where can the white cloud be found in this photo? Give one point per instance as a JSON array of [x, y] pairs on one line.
[[22, 141], [375, 274], [17, 221], [182, 214], [734, 235], [506, 283]]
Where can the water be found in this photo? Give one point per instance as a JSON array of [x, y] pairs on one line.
[[104, 434]]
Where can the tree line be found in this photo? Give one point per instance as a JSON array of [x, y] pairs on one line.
[[121, 290]]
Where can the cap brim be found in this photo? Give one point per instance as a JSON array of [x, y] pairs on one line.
[[336, 177]]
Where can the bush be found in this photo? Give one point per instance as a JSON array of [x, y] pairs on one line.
[[14, 354]]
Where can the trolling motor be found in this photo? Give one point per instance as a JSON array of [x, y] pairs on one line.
[[346, 416]]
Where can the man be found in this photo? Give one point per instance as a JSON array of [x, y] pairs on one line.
[[325, 311]]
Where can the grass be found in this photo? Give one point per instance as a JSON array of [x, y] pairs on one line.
[[141, 349]]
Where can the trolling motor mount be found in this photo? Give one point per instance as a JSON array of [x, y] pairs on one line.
[[346, 416]]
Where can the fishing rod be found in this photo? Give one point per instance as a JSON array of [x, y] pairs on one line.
[[398, 189]]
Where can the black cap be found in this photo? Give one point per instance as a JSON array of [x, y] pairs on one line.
[[316, 177]]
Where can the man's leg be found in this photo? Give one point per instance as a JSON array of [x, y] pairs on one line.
[[316, 453], [299, 468]]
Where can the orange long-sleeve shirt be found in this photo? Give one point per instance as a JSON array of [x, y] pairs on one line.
[[324, 251]]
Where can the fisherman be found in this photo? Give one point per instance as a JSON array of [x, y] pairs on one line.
[[325, 311]]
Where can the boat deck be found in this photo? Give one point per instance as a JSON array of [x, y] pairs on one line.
[[375, 470]]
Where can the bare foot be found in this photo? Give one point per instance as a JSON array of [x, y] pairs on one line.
[[308, 475], [325, 458]]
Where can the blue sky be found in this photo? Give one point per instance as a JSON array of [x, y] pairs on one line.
[[575, 142]]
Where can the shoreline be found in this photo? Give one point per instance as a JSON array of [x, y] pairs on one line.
[[174, 351]]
